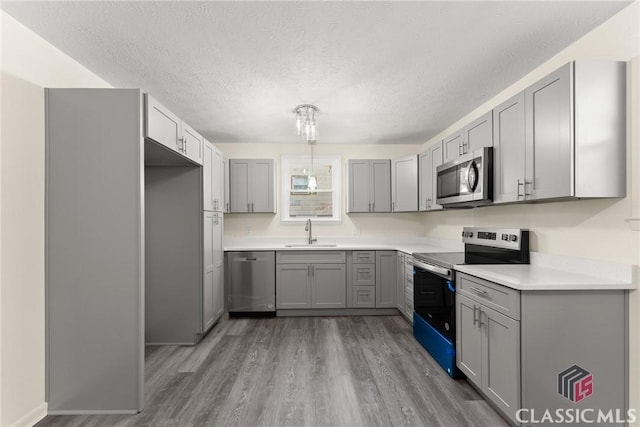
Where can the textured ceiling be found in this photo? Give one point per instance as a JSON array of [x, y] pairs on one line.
[[380, 72]]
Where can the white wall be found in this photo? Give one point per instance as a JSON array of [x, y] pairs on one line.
[[597, 229], [29, 64], [405, 224]]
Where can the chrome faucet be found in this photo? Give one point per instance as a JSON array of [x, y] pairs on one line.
[[310, 238]]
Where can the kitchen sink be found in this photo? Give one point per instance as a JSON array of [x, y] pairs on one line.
[[307, 245]]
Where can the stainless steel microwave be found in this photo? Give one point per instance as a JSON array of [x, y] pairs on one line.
[[466, 181]]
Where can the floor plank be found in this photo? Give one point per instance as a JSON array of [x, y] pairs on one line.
[[297, 371]]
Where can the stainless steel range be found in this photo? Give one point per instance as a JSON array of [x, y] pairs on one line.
[[434, 285]]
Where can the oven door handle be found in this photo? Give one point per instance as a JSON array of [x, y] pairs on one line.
[[440, 271]]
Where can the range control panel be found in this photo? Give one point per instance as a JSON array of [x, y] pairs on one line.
[[508, 238]]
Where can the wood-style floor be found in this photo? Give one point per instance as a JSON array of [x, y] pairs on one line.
[[300, 371]]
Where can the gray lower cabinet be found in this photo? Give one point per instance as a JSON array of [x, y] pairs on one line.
[[361, 279], [516, 346], [251, 186], [386, 279], [213, 277], [400, 282], [310, 279]]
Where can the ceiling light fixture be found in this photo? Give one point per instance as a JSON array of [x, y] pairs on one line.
[[306, 122]]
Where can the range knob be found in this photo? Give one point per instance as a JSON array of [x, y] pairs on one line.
[[513, 238]]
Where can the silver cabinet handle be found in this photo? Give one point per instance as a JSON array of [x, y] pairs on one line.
[[525, 187], [478, 291], [184, 141], [215, 219], [313, 271], [464, 147], [393, 206], [480, 312], [252, 210], [475, 319], [460, 149], [520, 184], [369, 207], [248, 207], [227, 206]]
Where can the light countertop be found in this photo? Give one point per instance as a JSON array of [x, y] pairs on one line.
[[546, 272]]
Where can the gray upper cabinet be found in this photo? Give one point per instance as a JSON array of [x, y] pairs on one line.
[[575, 120], [164, 127], [428, 162], [474, 136], [564, 136], [404, 184], [213, 178], [252, 186], [509, 150], [369, 187], [227, 186], [386, 278], [193, 143]]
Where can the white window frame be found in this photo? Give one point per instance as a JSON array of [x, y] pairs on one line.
[[335, 160]]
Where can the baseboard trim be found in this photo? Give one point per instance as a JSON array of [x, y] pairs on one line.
[[96, 412], [32, 417], [337, 312]]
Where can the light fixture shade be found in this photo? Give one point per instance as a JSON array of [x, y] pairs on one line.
[[306, 125]]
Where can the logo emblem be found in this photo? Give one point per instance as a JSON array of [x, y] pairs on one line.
[[575, 383]]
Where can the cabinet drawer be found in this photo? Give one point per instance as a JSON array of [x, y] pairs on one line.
[[500, 298], [364, 257], [364, 296], [311, 257], [364, 274]]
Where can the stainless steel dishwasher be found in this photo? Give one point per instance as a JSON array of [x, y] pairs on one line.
[[251, 282]]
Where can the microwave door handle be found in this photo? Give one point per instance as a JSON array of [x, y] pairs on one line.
[[432, 268]]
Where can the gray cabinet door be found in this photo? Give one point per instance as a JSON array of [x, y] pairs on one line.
[[208, 174], [400, 282], [380, 185], [208, 290], [192, 143], [424, 173], [359, 190], [404, 184], [227, 187], [293, 286], [162, 125], [548, 124], [386, 279], [363, 274], [239, 185], [218, 185], [328, 285], [436, 158], [262, 186], [478, 134], [452, 146], [509, 150], [468, 339], [501, 360]]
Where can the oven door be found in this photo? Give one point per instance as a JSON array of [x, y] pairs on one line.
[[434, 298]]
